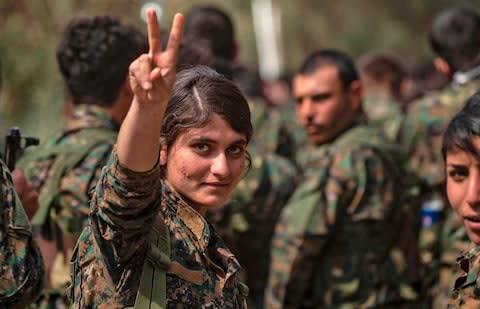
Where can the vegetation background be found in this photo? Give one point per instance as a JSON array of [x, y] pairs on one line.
[[31, 90]]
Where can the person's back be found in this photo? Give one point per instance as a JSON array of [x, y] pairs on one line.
[[384, 79], [93, 56], [455, 39], [21, 264], [337, 243]]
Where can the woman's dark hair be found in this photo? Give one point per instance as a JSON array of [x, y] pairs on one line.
[[463, 128], [198, 93]]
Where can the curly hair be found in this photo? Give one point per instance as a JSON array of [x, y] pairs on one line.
[[94, 55]]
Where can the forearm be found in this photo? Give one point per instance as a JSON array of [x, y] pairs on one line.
[[138, 143]]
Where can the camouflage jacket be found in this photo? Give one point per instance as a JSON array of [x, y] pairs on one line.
[[69, 199], [21, 264], [384, 113], [107, 263], [466, 290], [336, 241]]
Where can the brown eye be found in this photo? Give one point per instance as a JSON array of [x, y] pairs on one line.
[[236, 150], [201, 147], [458, 174]]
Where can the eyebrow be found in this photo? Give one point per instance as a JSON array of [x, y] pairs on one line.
[[242, 141], [456, 165], [315, 97]]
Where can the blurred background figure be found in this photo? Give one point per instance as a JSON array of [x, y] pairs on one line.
[[424, 79], [384, 81], [349, 206], [93, 56]]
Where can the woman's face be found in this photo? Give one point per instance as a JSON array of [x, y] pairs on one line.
[[204, 165], [463, 188]]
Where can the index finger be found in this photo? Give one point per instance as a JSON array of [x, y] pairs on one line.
[[154, 39]]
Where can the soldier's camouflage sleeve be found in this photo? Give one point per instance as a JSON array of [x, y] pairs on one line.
[[333, 233], [466, 289], [111, 250], [21, 264]]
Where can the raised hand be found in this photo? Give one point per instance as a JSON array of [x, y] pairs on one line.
[[152, 76]]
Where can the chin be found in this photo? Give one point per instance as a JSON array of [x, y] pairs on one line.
[[474, 237]]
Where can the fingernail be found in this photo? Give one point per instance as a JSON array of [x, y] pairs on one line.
[[147, 85]]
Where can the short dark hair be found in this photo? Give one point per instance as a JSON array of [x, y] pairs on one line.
[[384, 67], [93, 56], [463, 128], [198, 93], [214, 25], [320, 58], [455, 37]]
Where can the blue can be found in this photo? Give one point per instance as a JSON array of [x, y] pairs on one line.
[[431, 212]]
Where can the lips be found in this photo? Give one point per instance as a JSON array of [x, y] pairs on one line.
[[312, 129], [216, 184], [472, 222]]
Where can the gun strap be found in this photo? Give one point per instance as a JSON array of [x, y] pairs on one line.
[[66, 156], [152, 292]]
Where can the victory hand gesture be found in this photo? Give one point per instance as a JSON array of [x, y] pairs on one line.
[[152, 76]]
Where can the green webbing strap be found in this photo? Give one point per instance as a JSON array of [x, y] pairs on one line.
[[152, 293], [67, 156]]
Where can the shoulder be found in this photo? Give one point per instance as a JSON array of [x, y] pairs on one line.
[[466, 289]]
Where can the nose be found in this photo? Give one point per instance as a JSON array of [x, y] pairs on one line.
[[473, 193], [220, 165], [305, 110]]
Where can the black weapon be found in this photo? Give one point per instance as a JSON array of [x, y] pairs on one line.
[[15, 143]]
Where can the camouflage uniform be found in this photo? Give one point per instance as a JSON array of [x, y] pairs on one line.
[[275, 128], [336, 244], [107, 263], [21, 264], [421, 137], [466, 291], [248, 221], [385, 113], [64, 205]]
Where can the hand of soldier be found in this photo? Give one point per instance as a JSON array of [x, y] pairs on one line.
[[152, 76], [25, 192]]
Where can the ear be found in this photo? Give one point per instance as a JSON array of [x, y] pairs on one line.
[[405, 87], [442, 66], [163, 152], [355, 93]]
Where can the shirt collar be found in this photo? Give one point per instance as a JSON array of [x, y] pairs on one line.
[[90, 116]]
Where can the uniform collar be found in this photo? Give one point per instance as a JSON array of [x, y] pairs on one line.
[[90, 116], [192, 219]]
